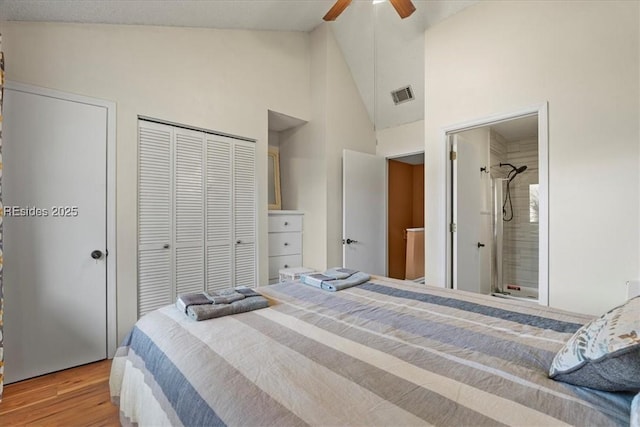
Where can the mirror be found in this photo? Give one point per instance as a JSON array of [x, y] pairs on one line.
[[273, 171]]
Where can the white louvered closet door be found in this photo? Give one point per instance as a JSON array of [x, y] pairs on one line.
[[196, 213], [219, 247], [244, 205], [189, 211], [154, 216]]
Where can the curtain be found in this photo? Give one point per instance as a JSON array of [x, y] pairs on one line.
[[1, 216]]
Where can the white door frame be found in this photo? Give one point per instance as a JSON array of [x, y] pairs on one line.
[[542, 111], [110, 259]]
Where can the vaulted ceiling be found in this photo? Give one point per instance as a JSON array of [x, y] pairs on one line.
[[383, 52]]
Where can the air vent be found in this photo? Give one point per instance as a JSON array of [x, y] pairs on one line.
[[402, 95]]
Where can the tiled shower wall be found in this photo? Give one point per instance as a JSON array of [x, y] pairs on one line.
[[520, 244]]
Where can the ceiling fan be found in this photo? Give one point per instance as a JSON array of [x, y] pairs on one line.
[[404, 8]]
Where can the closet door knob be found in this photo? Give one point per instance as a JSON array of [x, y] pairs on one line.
[[238, 242], [165, 246], [286, 244], [286, 266], [286, 223]]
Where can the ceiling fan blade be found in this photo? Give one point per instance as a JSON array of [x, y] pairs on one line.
[[336, 10], [404, 7]]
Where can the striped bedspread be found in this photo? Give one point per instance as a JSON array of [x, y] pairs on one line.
[[383, 353]]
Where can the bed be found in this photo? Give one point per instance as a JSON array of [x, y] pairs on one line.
[[383, 353]]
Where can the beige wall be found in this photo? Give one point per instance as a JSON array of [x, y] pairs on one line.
[[583, 58], [303, 161], [222, 80], [348, 127], [398, 140], [273, 139], [311, 155]]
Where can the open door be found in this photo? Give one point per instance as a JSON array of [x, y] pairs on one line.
[[471, 238], [363, 212]]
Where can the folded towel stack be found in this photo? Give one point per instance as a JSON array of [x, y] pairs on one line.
[[185, 301], [225, 296], [202, 306], [211, 311], [335, 279]]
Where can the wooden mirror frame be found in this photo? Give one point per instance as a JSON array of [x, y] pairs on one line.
[[273, 171]]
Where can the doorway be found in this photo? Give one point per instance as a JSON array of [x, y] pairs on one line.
[[497, 206], [405, 217]]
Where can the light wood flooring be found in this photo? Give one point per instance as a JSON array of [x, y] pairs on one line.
[[73, 397]]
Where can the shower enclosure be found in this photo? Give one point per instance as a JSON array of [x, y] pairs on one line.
[[495, 229], [515, 238]]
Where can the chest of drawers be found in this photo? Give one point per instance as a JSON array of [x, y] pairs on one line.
[[285, 241]]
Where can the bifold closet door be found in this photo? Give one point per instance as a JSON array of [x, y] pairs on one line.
[[231, 213], [244, 194], [155, 204], [196, 213], [189, 211], [219, 248]]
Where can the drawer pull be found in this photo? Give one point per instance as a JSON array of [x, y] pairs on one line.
[[286, 223], [286, 266], [286, 244]]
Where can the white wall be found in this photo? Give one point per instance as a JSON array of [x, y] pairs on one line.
[[583, 58], [399, 140], [311, 155], [303, 161], [273, 139], [222, 80], [348, 127]]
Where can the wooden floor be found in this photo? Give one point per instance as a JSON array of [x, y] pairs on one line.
[[73, 397]]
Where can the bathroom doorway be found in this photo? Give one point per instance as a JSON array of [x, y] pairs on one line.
[[405, 217], [497, 207]]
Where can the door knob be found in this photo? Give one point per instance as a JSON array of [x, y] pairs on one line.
[[480, 245], [97, 254], [349, 241]]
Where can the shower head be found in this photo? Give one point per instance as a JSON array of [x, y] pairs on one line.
[[521, 169], [514, 170], [517, 171]]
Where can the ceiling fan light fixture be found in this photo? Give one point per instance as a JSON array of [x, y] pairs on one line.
[[336, 10], [404, 8]]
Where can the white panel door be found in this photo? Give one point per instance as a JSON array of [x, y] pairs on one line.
[[154, 216], [219, 213], [189, 211], [244, 205], [54, 157], [470, 258], [364, 224]]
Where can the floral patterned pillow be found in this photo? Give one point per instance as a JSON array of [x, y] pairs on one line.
[[605, 353]]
